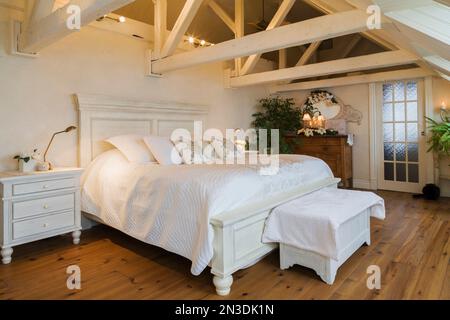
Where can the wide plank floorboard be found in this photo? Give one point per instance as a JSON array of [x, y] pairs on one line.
[[411, 247]]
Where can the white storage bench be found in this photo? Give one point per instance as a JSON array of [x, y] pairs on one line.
[[323, 229]]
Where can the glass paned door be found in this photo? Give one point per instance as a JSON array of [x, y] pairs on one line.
[[401, 140]]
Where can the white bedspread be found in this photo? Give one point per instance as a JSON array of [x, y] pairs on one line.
[[311, 222], [170, 206]]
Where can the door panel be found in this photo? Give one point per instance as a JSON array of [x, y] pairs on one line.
[[401, 143]]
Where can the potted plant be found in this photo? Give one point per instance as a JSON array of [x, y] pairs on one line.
[[440, 134], [278, 113]]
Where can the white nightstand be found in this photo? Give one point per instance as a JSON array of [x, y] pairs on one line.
[[38, 205]]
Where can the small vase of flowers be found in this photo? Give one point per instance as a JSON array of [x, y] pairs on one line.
[[27, 162]]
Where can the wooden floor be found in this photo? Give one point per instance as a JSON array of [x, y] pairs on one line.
[[412, 248]]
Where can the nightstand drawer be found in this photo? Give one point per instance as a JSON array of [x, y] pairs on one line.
[[30, 208], [40, 186], [40, 225]]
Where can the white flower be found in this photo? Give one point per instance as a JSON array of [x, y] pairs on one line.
[[321, 131], [300, 131], [309, 132]]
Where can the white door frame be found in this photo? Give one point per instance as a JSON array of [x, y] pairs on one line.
[[374, 113]]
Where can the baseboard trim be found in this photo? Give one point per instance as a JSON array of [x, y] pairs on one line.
[[361, 184]]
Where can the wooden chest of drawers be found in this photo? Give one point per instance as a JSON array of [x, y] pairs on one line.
[[334, 150]]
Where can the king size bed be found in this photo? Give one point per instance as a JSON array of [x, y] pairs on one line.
[[213, 215]]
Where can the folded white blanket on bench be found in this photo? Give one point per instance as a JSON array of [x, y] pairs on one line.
[[311, 222]]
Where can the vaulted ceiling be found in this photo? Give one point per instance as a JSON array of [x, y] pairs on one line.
[[207, 25]]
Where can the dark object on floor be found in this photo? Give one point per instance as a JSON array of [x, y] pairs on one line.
[[429, 192]]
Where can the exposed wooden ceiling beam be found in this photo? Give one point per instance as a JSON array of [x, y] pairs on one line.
[[160, 26], [308, 53], [181, 25], [41, 9], [239, 13], [222, 14], [276, 21], [53, 27], [351, 80], [361, 63], [295, 34], [330, 7], [350, 46]]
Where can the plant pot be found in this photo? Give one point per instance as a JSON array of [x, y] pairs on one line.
[[27, 166]]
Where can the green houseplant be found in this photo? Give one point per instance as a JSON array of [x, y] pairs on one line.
[[278, 113], [440, 134]]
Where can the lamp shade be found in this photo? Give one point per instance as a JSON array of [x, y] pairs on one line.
[[306, 117]]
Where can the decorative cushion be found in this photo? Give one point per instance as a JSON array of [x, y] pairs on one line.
[[163, 149], [133, 148]]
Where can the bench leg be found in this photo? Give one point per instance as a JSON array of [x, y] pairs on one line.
[[223, 284]]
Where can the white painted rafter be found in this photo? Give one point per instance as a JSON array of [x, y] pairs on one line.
[[331, 7], [222, 14], [361, 63], [53, 27], [276, 21], [295, 34], [351, 80], [41, 9], [308, 53], [160, 28], [181, 25], [239, 13]]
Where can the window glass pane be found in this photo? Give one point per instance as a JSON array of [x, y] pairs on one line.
[[412, 132], [388, 134], [400, 111], [388, 171], [387, 92], [411, 111], [400, 132], [413, 173], [389, 151], [388, 112], [413, 152], [399, 91], [400, 152], [411, 91], [400, 171]]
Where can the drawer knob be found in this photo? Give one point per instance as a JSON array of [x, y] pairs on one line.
[[45, 206], [45, 225]]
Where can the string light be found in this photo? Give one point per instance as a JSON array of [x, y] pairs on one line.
[[198, 42], [122, 19]]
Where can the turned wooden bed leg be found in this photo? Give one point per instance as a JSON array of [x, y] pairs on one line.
[[223, 284], [6, 253]]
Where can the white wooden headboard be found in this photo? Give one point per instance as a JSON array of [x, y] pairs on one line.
[[101, 117]]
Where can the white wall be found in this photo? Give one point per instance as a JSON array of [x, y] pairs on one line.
[[36, 94], [357, 96]]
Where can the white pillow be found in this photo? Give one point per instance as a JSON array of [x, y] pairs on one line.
[[163, 149], [133, 148], [185, 150]]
